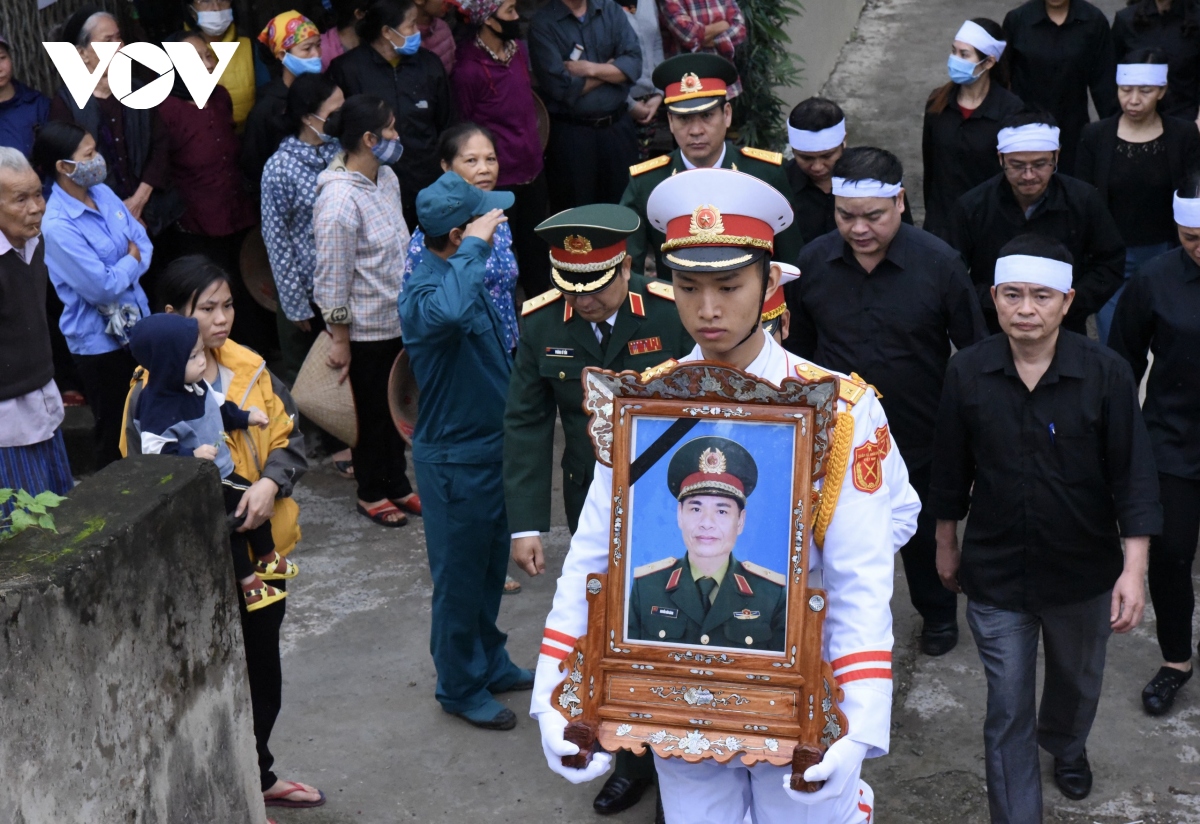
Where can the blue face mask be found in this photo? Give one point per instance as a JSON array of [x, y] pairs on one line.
[[387, 151], [411, 44], [961, 71], [301, 65]]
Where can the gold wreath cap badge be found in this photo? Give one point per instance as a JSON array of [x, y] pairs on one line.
[[706, 221], [712, 461]]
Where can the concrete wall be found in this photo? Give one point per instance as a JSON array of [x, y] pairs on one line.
[[123, 692], [818, 35]]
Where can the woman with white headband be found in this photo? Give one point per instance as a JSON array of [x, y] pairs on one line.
[[1137, 160], [962, 119], [1160, 313], [1173, 26]]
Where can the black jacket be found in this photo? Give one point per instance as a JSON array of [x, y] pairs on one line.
[[419, 94], [1099, 141], [1175, 35], [960, 154], [264, 131], [1072, 212]]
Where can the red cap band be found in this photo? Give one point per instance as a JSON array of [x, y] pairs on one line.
[[706, 226], [578, 251], [692, 86]]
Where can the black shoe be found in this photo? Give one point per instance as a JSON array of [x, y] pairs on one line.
[[938, 639], [619, 794], [1074, 778], [1159, 694], [505, 719], [523, 683]]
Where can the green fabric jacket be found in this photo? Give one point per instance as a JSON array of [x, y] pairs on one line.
[[646, 238], [551, 356]]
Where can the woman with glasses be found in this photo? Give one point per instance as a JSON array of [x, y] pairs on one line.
[[1137, 160]]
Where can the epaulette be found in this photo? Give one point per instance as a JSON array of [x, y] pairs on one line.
[[849, 389], [654, 371], [661, 289], [774, 158], [657, 566], [763, 572], [649, 165], [536, 303]]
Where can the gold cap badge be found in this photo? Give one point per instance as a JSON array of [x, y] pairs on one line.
[[577, 244], [712, 461], [706, 220], [690, 82]]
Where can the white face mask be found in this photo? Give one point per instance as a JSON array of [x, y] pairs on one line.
[[214, 23]]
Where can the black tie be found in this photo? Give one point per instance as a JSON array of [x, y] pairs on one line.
[[706, 585], [605, 333]]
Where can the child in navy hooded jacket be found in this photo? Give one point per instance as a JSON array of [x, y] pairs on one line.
[[178, 413]]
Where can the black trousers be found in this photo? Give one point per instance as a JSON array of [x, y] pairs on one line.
[[530, 209], [935, 603], [1171, 557], [589, 165], [259, 540], [260, 632], [105, 384], [379, 464]]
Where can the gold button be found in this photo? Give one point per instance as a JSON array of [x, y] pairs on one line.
[[703, 639], [562, 376], [749, 639], [662, 633]]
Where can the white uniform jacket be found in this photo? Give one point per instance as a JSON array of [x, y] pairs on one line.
[[856, 563]]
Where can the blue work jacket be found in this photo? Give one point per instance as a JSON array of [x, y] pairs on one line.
[[455, 342]]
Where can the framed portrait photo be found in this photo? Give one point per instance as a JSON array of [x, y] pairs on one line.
[[704, 637]]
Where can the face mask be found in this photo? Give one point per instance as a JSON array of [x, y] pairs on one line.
[[89, 173], [324, 137], [214, 23], [961, 71], [301, 65], [388, 151], [509, 29], [411, 44]]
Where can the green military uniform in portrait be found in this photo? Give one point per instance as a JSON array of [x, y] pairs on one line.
[[555, 346]]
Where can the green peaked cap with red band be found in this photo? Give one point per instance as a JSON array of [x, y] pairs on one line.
[[587, 245]]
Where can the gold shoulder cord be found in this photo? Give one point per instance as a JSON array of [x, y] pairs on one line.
[[838, 460]]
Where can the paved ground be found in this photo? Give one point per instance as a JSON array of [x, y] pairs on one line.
[[360, 720]]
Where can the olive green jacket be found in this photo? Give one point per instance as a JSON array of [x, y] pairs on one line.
[[551, 355], [645, 176]]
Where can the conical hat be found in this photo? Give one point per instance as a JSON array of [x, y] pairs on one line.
[[543, 121], [256, 271], [321, 399], [402, 397]]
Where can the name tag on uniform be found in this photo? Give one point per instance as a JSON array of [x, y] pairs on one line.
[[559, 352], [747, 614], [641, 347], [664, 612]]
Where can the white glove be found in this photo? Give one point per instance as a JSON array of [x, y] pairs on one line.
[[841, 763], [555, 747]]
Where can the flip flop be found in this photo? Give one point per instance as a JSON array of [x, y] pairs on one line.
[[511, 585], [379, 514], [345, 469], [410, 504], [281, 800]]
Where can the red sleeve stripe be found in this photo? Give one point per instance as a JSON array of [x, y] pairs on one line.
[[560, 637], [862, 674], [879, 655], [554, 652]]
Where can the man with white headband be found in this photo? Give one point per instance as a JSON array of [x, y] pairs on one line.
[[1041, 439], [696, 91], [886, 300], [1028, 196]]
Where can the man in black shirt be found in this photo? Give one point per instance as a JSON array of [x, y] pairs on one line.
[[1029, 196], [886, 300], [1058, 49], [1040, 437], [817, 134]]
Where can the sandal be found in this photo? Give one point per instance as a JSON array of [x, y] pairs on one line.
[[511, 585], [291, 788], [265, 595], [381, 513], [409, 503], [281, 569], [345, 469]]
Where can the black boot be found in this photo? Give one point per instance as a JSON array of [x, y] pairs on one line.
[[938, 639], [1074, 778], [1159, 694]]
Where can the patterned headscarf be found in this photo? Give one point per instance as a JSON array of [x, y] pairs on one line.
[[477, 11], [287, 30]]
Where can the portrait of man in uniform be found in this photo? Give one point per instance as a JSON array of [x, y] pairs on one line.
[[711, 595]]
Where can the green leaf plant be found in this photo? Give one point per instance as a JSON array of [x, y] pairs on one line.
[[765, 64], [27, 511]]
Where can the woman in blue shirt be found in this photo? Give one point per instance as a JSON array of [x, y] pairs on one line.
[[95, 251], [469, 151]]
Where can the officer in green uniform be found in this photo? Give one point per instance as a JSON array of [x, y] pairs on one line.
[[699, 116], [709, 597], [598, 314]]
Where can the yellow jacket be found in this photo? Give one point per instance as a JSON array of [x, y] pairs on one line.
[[275, 451]]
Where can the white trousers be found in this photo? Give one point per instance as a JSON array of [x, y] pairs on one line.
[[711, 793]]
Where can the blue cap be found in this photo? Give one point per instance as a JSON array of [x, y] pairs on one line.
[[450, 201]]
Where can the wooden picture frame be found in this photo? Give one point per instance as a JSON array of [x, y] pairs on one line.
[[709, 700]]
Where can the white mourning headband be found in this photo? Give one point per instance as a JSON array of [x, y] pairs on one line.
[[1142, 74], [1035, 137], [1187, 212], [1053, 274], [822, 141], [866, 187], [978, 37]]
